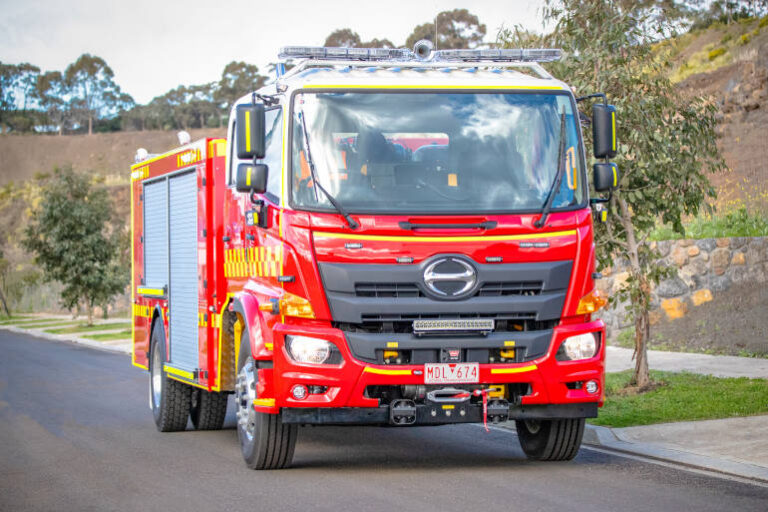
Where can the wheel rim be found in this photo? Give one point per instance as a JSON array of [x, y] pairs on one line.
[[157, 378], [245, 392], [533, 426]]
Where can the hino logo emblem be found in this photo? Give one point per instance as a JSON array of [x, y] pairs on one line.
[[450, 277]]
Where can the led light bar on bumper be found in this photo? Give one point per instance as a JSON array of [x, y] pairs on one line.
[[580, 346], [307, 350]]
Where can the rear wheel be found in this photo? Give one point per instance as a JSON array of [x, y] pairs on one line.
[[170, 399], [208, 410], [550, 439], [265, 441]]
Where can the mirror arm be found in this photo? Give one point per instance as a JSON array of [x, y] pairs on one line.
[[600, 200], [595, 95]]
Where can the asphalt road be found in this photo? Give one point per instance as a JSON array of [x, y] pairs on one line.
[[76, 434]]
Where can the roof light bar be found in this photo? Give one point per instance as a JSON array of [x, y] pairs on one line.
[[511, 55], [336, 53], [403, 54]]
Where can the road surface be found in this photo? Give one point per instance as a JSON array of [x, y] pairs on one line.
[[76, 434]]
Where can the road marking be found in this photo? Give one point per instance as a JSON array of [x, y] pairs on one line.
[[651, 460]]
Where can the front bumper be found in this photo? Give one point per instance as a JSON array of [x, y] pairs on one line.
[[550, 382]]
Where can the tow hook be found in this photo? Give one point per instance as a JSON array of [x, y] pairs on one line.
[[402, 412]]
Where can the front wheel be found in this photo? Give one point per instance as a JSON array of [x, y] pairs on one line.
[[265, 441], [550, 439]]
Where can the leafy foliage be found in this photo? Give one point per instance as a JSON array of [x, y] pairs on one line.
[[740, 222], [74, 242], [93, 91], [667, 142], [455, 29]]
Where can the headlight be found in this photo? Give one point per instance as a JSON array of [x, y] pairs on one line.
[[304, 349], [581, 346]]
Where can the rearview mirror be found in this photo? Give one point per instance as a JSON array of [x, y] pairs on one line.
[[249, 128], [605, 176], [252, 178], [604, 130]]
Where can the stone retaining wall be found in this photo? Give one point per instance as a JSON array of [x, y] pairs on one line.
[[704, 268]]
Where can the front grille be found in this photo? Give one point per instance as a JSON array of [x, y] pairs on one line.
[[401, 290], [511, 288], [392, 290], [403, 323]]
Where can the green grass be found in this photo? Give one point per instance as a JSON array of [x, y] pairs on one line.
[[736, 223], [34, 321], [109, 336], [46, 324], [681, 397], [14, 319], [90, 328]]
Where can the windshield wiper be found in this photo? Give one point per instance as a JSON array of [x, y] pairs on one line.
[[558, 177], [350, 221]]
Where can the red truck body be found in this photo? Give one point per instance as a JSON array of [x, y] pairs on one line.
[[234, 260]]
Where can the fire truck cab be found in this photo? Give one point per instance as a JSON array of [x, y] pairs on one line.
[[385, 237]]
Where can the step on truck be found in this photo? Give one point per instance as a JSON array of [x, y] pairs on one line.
[[385, 237]]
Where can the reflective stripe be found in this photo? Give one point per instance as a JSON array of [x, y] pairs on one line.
[[264, 402], [248, 177], [419, 239], [248, 130], [378, 371], [180, 373], [156, 292], [513, 370], [615, 176], [613, 128]]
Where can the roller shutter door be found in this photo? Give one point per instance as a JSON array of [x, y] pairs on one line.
[[156, 234], [183, 300]]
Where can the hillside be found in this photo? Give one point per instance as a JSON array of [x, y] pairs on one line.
[[730, 64], [107, 154]]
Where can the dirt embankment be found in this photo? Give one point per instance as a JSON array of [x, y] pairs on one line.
[[741, 92], [107, 154]]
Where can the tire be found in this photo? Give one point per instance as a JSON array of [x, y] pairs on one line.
[[208, 410], [550, 439], [265, 441], [169, 399]]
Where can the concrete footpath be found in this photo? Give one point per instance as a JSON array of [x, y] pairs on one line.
[[618, 359], [732, 446]]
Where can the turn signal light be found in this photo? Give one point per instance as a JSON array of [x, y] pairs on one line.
[[289, 305], [591, 302]]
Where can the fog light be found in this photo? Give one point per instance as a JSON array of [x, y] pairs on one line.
[[591, 387], [299, 391], [581, 346]]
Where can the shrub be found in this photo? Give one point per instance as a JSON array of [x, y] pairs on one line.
[[727, 37], [745, 38], [763, 22], [716, 53]]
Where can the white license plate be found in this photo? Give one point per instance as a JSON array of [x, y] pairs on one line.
[[451, 373]]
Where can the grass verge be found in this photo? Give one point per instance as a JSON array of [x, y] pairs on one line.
[[680, 397], [90, 328], [110, 336], [740, 222]]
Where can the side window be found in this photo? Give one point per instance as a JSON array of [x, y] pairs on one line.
[[273, 155]]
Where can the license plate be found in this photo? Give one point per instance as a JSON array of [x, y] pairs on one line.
[[447, 373]]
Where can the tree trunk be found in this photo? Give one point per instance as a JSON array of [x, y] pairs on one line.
[[90, 312], [638, 298], [90, 125], [5, 305]]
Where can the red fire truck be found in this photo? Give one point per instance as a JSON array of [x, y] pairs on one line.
[[385, 237]]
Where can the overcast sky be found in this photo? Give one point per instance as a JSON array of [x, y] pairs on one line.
[[156, 45]]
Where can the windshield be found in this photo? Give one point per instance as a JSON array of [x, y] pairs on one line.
[[434, 152]]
